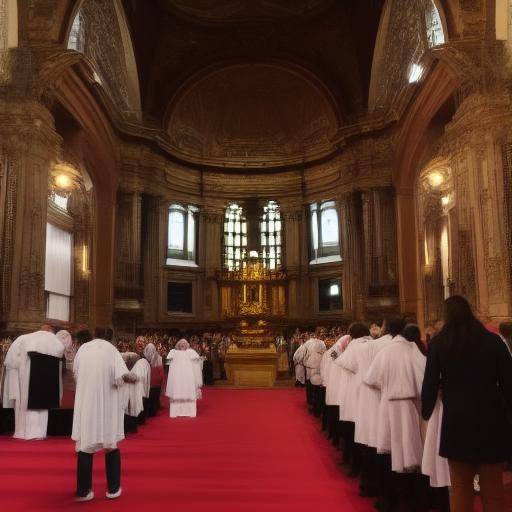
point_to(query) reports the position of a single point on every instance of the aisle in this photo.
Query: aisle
(247, 451)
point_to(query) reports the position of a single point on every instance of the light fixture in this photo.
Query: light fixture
(445, 200)
(64, 178)
(63, 181)
(436, 179)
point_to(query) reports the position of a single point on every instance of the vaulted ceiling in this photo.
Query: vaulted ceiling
(305, 55)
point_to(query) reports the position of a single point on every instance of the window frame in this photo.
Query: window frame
(184, 254)
(266, 233)
(323, 250)
(335, 303)
(242, 233)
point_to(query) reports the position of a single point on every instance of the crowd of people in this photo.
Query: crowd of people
(113, 392)
(415, 418)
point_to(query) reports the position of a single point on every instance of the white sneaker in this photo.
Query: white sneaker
(476, 483)
(89, 497)
(114, 495)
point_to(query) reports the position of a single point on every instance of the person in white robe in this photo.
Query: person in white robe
(331, 377)
(313, 361)
(98, 420)
(298, 362)
(142, 370)
(133, 394)
(380, 435)
(184, 381)
(365, 409)
(156, 378)
(347, 398)
(308, 347)
(29, 424)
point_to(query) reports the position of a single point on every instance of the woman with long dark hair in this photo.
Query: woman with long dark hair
(472, 369)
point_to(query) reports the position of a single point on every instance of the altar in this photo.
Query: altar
(254, 297)
(251, 367)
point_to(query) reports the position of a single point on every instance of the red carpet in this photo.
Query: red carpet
(247, 451)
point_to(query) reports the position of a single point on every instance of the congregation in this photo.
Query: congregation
(414, 420)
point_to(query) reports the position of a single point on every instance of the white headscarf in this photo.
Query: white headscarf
(182, 345)
(152, 355)
(67, 340)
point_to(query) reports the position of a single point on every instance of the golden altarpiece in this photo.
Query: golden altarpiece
(255, 297)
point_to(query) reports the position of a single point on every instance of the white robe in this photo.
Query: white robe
(137, 391)
(313, 360)
(348, 361)
(298, 361)
(142, 369)
(366, 428)
(98, 419)
(333, 373)
(184, 382)
(433, 465)
(398, 372)
(345, 377)
(308, 345)
(29, 424)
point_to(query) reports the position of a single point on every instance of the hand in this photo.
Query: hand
(130, 378)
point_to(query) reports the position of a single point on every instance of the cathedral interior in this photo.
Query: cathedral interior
(253, 165)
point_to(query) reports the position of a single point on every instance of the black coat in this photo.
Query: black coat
(477, 395)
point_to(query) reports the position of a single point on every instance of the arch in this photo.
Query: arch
(100, 151)
(97, 29)
(205, 122)
(438, 87)
(404, 37)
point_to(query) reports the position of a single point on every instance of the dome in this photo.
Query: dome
(252, 115)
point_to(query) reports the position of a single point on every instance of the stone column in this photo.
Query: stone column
(210, 260)
(411, 301)
(293, 220)
(29, 147)
(351, 237)
(153, 256)
(128, 248)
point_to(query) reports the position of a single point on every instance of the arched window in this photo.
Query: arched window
(271, 235)
(435, 33)
(324, 230)
(235, 237)
(100, 31)
(76, 40)
(182, 233)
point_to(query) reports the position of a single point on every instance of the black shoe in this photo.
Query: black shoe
(367, 493)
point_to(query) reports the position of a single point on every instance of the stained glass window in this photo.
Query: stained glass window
(435, 33)
(271, 235)
(235, 237)
(76, 40)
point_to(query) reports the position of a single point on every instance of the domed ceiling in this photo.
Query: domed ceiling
(252, 115)
(256, 109)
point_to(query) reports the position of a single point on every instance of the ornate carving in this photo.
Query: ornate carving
(245, 116)
(8, 231)
(104, 47)
(403, 43)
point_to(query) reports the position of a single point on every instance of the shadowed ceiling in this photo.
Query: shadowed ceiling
(177, 42)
